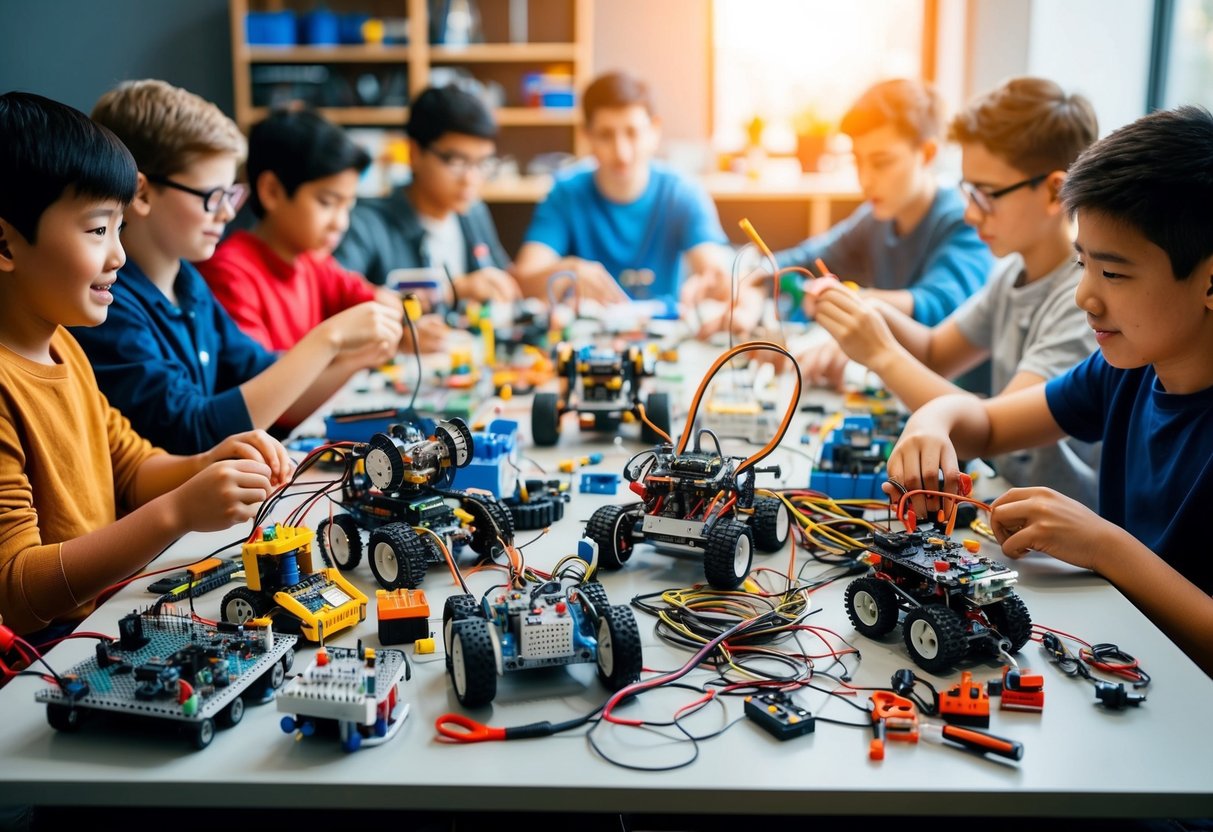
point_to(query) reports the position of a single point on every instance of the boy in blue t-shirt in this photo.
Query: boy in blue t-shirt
(1143, 200)
(622, 226)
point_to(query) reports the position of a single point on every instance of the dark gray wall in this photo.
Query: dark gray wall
(75, 50)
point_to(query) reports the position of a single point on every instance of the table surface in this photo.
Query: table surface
(1080, 759)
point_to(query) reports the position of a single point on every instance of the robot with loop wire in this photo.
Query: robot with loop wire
(397, 486)
(699, 500)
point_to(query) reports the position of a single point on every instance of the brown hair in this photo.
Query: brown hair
(913, 108)
(166, 127)
(615, 89)
(1031, 123)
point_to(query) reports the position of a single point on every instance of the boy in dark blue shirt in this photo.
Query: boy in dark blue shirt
(1143, 199)
(168, 355)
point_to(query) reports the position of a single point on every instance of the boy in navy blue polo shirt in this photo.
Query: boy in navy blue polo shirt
(168, 355)
(1143, 199)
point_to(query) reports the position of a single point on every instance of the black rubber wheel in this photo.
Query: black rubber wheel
(340, 541)
(611, 528)
(243, 604)
(398, 556)
(492, 521)
(1011, 619)
(872, 606)
(595, 596)
(619, 657)
(233, 713)
(64, 717)
(473, 663)
(201, 734)
(935, 638)
(657, 409)
(729, 553)
(771, 523)
(545, 419)
(539, 512)
(288, 659)
(456, 608)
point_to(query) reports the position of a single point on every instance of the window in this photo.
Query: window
(798, 64)
(1182, 63)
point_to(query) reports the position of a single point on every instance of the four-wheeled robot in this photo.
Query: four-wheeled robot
(949, 599)
(540, 624)
(602, 386)
(397, 488)
(698, 501)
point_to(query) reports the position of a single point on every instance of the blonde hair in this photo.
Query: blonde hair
(167, 128)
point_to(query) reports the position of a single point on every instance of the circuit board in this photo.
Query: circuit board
(172, 668)
(945, 562)
(343, 687)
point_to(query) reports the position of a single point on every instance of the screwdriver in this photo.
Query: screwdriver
(980, 741)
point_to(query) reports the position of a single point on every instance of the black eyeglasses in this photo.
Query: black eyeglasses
(984, 200)
(212, 199)
(458, 164)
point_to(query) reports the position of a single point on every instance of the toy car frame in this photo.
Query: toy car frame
(949, 600)
(167, 668)
(395, 488)
(543, 624)
(693, 502)
(355, 691)
(602, 387)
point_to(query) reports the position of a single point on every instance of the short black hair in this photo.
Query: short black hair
(1156, 176)
(441, 110)
(299, 146)
(45, 149)
(614, 90)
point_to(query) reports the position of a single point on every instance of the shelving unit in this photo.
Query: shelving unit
(559, 32)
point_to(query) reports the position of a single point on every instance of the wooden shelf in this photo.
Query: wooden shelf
(502, 53)
(360, 54)
(354, 116)
(563, 33)
(537, 117)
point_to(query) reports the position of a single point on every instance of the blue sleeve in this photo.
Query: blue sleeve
(1078, 398)
(358, 250)
(843, 247)
(240, 357)
(550, 224)
(702, 220)
(956, 272)
(155, 389)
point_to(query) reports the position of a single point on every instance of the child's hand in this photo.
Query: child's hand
(1041, 520)
(857, 325)
(222, 494)
(593, 282)
(258, 446)
(432, 333)
(824, 365)
(369, 323)
(489, 284)
(922, 452)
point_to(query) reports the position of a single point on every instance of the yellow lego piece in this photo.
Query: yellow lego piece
(423, 646)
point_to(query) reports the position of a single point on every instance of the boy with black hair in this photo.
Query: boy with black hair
(70, 464)
(1016, 144)
(624, 224)
(168, 355)
(1143, 201)
(438, 220)
(280, 280)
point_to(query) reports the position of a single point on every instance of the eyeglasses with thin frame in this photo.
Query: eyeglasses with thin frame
(984, 200)
(212, 199)
(458, 164)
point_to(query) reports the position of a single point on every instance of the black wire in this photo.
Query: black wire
(417, 350)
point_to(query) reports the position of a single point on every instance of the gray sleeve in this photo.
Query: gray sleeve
(975, 317)
(359, 251)
(1062, 339)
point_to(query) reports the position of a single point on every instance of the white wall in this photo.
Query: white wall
(1100, 48)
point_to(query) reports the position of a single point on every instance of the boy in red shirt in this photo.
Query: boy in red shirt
(280, 279)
